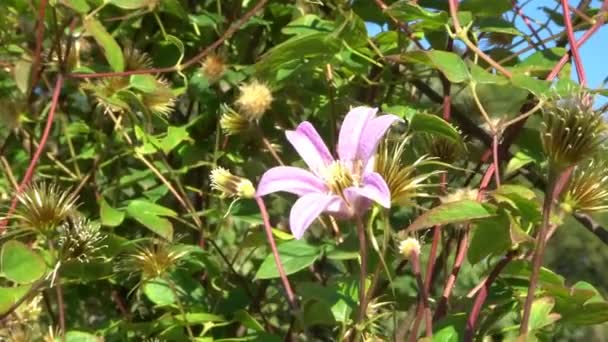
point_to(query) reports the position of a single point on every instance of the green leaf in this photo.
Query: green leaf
(295, 255)
(81, 336)
(433, 124)
(110, 48)
(481, 76)
(484, 8)
(453, 212)
(519, 160)
(405, 11)
(198, 318)
(521, 269)
(130, 4)
(11, 295)
(175, 136)
(490, 237)
(80, 6)
(541, 62)
(20, 264)
(22, 72)
(248, 320)
(308, 23)
(109, 216)
(206, 19)
(535, 86)
(173, 7)
(498, 25)
(149, 215)
(449, 63)
(159, 292)
(144, 83)
(540, 314)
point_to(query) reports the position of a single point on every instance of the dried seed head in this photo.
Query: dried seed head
(255, 99)
(233, 123)
(461, 194)
(403, 180)
(230, 185)
(106, 92)
(588, 188)
(408, 247)
(213, 67)
(573, 131)
(153, 260)
(43, 207)
(161, 100)
(79, 238)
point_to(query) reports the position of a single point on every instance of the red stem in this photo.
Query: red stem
(580, 70)
(528, 23)
(36, 157)
(423, 304)
(39, 38)
(229, 32)
(291, 298)
(601, 18)
(496, 159)
(483, 294)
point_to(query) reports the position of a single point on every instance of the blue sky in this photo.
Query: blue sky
(594, 52)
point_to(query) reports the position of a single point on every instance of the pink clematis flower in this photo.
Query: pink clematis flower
(345, 187)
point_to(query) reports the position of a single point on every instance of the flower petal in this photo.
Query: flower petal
(310, 146)
(306, 209)
(351, 130)
(375, 188)
(289, 179)
(372, 134)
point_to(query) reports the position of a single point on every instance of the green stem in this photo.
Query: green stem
(363, 274)
(180, 306)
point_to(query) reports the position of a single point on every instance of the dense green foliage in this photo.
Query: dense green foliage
(133, 134)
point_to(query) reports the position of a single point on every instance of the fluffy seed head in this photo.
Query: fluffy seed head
(573, 131)
(588, 188)
(135, 59)
(230, 185)
(233, 123)
(43, 207)
(254, 100)
(461, 194)
(444, 149)
(213, 67)
(408, 247)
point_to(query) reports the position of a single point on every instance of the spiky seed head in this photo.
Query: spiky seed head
(572, 131)
(587, 191)
(213, 67)
(106, 92)
(499, 38)
(460, 194)
(408, 247)
(404, 180)
(230, 185)
(135, 59)
(443, 149)
(254, 100)
(79, 239)
(153, 260)
(233, 123)
(43, 207)
(161, 100)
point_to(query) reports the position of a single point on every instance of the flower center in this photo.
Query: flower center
(338, 177)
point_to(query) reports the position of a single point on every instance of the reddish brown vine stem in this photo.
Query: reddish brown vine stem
(580, 70)
(206, 51)
(291, 297)
(36, 157)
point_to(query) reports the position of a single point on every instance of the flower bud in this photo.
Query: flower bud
(255, 99)
(409, 246)
(230, 185)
